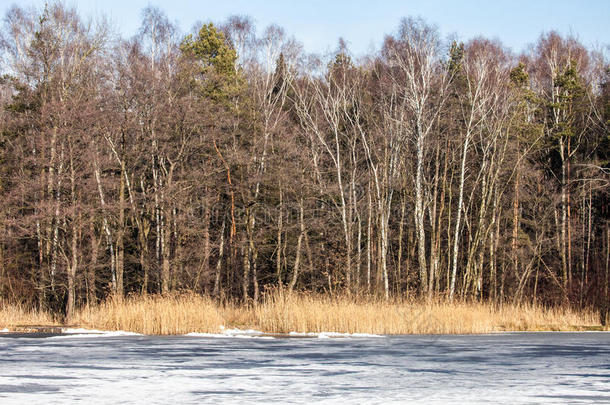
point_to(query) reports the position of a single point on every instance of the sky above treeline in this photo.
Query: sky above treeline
(318, 24)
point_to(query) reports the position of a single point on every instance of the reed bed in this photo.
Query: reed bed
(282, 312)
(313, 313)
(154, 315)
(13, 315)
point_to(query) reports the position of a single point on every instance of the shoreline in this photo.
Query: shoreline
(69, 331)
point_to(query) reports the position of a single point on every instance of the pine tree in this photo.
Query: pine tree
(219, 78)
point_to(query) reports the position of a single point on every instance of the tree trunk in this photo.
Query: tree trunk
(564, 217)
(165, 254)
(120, 236)
(245, 258)
(73, 263)
(206, 245)
(401, 230)
(278, 263)
(297, 259)
(369, 243)
(70, 304)
(456, 236)
(515, 235)
(384, 253)
(91, 278)
(221, 249)
(419, 214)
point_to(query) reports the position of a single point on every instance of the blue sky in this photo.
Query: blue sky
(319, 23)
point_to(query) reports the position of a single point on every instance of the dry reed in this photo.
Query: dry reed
(154, 315)
(13, 315)
(281, 312)
(313, 313)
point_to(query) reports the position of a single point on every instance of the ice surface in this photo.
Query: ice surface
(498, 368)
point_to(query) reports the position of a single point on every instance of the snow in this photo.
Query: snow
(69, 333)
(82, 330)
(227, 335)
(252, 333)
(237, 333)
(506, 368)
(4, 330)
(326, 335)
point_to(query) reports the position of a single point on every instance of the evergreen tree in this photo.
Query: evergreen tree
(220, 79)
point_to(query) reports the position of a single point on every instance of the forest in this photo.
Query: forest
(229, 162)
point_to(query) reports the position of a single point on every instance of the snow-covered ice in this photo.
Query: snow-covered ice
(238, 333)
(324, 335)
(252, 333)
(200, 369)
(83, 331)
(89, 333)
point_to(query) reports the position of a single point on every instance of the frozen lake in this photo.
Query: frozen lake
(501, 368)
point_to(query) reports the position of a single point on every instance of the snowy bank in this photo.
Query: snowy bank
(236, 333)
(252, 333)
(88, 333)
(326, 335)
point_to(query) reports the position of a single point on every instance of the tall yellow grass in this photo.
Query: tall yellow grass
(281, 312)
(154, 315)
(309, 313)
(12, 315)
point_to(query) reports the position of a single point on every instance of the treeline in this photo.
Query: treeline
(227, 162)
